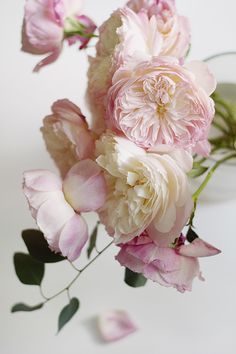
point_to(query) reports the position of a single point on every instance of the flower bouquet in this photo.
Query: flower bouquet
(132, 160)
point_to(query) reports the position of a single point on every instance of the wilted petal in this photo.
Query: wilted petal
(182, 278)
(116, 324)
(48, 60)
(198, 248)
(73, 237)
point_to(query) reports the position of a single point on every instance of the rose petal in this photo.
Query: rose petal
(42, 180)
(85, 187)
(48, 60)
(115, 325)
(73, 237)
(203, 76)
(52, 215)
(198, 248)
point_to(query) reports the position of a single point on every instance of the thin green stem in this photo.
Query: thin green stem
(196, 195)
(47, 299)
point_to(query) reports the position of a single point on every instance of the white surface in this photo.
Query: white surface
(203, 321)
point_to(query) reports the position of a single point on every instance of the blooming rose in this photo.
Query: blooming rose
(175, 29)
(67, 136)
(162, 102)
(56, 205)
(127, 38)
(165, 265)
(144, 189)
(48, 22)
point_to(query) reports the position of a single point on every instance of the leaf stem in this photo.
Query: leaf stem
(76, 277)
(196, 195)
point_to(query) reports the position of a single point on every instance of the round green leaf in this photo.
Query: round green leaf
(68, 312)
(133, 279)
(38, 247)
(28, 270)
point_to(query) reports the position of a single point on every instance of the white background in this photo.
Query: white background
(169, 322)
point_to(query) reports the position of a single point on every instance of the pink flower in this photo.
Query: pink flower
(144, 189)
(165, 265)
(131, 35)
(67, 136)
(48, 22)
(174, 28)
(56, 205)
(162, 102)
(115, 325)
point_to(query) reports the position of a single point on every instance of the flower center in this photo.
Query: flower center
(159, 90)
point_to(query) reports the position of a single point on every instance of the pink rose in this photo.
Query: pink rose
(67, 136)
(48, 22)
(131, 35)
(162, 102)
(174, 28)
(165, 265)
(57, 205)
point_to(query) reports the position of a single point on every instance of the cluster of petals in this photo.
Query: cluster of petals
(57, 205)
(163, 102)
(175, 266)
(144, 189)
(67, 135)
(135, 33)
(47, 23)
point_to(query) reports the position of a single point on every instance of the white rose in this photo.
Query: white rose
(144, 188)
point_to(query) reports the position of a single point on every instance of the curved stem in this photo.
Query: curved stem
(76, 277)
(196, 195)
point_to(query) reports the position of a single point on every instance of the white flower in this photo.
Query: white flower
(144, 188)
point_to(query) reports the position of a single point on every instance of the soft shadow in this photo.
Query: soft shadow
(92, 326)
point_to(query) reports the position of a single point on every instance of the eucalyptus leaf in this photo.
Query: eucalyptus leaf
(68, 312)
(28, 270)
(26, 308)
(191, 235)
(38, 247)
(92, 241)
(133, 279)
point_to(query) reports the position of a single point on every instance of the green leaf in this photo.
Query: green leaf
(28, 270)
(24, 307)
(38, 247)
(191, 235)
(92, 241)
(68, 312)
(197, 170)
(133, 279)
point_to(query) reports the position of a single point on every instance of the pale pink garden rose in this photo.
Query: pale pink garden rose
(165, 265)
(67, 135)
(128, 38)
(47, 23)
(144, 189)
(174, 28)
(163, 102)
(56, 205)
